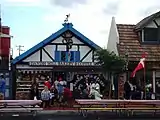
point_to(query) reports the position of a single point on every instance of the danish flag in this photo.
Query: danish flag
(141, 65)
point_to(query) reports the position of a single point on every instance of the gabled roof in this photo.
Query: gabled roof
(129, 40)
(146, 20)
(67, 26)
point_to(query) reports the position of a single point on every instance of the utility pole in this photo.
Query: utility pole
(11, 52)
(19, 48)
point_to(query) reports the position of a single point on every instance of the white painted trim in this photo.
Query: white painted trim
(5, 35)
(142, 35)
(113, 37)
(29, 67)
(154, 81)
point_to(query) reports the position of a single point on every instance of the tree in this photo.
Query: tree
(109, 61)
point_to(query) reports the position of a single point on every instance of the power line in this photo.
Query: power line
(19, 48)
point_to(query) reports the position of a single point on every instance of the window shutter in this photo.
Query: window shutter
(72, 59)
(66, 58)
(77, 56)
(57, 56)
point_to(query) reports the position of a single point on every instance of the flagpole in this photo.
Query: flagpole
(144, 73)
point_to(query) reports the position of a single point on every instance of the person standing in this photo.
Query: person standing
(45, 97)
(2, 87)
(96, 95)
(60, 90)
(56, 83)
(67, 96)
(48, 82)
(34, 91)
(128, 88)
(97, 86)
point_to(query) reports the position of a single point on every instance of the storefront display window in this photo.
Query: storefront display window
(145, 82)
(7, 93)
(25, 79)
(157, 84)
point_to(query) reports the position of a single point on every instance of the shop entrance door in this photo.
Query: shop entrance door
(60, 75)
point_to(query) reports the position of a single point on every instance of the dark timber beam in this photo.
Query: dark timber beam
(65, 44)
(40, 54)
(48, 55)
(156, 23)
(93, 56)
(86, 55)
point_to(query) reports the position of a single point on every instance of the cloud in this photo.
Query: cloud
(24, 3)
(112, 7)
(91, 17)
(94, 18)
(67, 3)
(150, 10)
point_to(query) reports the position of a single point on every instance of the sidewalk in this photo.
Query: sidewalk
(59, 112)
(72, 111)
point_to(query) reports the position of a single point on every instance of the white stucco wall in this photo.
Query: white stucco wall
(33, 57)
(113, 38)
(83, 51)
(152, 24)
(51, 50)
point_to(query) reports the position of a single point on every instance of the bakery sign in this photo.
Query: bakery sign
(62, 64)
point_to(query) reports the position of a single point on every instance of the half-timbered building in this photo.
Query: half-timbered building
(65, 53)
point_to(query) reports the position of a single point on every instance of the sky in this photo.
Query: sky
(31, 21)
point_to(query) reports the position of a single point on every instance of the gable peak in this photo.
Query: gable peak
(68, 25)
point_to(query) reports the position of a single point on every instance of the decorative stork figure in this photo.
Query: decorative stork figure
(66, 20)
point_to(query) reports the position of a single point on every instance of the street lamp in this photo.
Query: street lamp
(67, 40)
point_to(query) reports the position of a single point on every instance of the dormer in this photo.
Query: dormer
(149, 29)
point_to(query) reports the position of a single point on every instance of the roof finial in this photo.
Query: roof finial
(66, 20)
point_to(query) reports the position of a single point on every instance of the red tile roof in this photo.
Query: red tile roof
(129, 40)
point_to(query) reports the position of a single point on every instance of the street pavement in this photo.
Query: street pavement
(73, 115)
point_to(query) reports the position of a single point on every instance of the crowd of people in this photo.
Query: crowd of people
(2, 87)
(135, 91)
(64, 93)
(61, 92)
(88, 86)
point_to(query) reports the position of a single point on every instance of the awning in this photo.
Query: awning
(5, 35)
(33, 71)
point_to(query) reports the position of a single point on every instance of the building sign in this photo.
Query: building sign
(63, 64)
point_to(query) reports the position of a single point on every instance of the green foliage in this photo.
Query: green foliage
(110, 61)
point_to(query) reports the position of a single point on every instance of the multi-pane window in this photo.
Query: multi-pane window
(65, 56)
(151, 35)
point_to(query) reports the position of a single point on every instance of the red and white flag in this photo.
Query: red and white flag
(141, 65)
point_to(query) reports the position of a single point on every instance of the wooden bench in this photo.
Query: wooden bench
(118, 105)
(19, 106)
(19, 110)
(134, 108)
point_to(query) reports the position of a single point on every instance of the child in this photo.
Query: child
(45, 96)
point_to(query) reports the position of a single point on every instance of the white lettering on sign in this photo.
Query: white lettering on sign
(63, 64)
